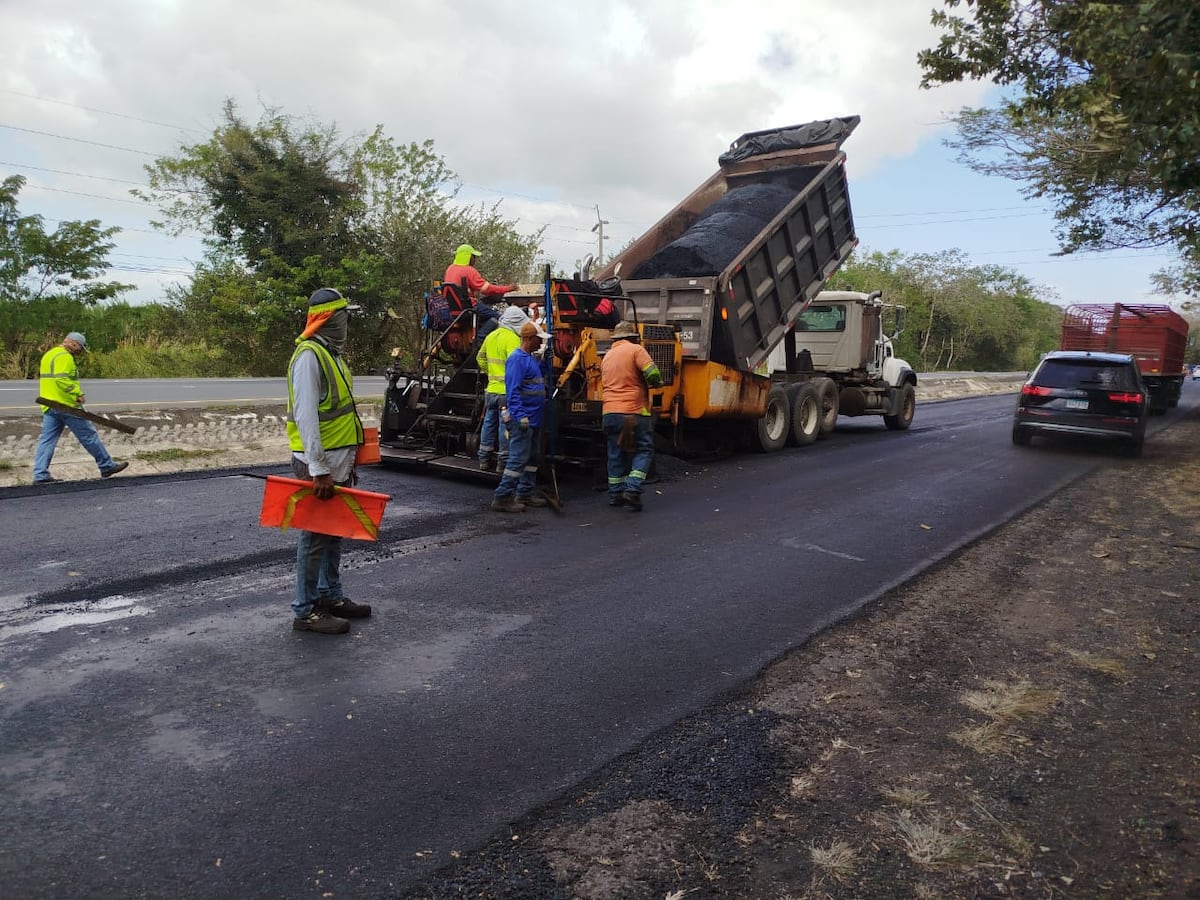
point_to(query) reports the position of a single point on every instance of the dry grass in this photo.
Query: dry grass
(1103, 665)
(804, 785)
(1008, 702)
(987, 739)
(173, 454)
(906, 797)
(836, 861)
(930, 841)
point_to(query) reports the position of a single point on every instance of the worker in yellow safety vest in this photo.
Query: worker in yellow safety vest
(324, 433)
(60, 382)
(493, 354)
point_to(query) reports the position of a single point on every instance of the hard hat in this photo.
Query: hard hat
(625, 331)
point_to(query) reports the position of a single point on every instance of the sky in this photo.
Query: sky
(563, 112)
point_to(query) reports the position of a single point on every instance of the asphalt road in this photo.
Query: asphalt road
(165, 732)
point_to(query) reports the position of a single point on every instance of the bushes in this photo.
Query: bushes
(154, 357)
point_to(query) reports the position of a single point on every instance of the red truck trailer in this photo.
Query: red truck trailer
(1156, 336)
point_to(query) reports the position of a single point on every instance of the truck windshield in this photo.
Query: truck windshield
(822, 318)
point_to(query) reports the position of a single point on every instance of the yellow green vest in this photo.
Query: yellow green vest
(340, 425)
(59, 377)
(494, 353)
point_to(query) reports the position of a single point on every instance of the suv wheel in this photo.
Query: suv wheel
(1020, 436)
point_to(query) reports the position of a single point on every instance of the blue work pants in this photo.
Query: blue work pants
(627, 471)
(53, 423)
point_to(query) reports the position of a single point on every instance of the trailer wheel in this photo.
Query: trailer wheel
(806, 414)
(908, 408)
(771, 430)
(829, 396)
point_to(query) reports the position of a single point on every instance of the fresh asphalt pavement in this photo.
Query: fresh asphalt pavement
(166, 733)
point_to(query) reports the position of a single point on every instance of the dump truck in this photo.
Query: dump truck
(734, 304)
(1154, 335)
(714, 288)
(842, 345)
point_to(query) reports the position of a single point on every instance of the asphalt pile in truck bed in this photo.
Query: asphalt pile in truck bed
(719, 235)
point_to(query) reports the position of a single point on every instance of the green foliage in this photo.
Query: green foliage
(154, 357)
(1107, 121)
(269, 190)
(290, 208)
(973, 318)
(66, 263)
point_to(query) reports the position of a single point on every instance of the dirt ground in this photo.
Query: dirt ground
(1024, 721)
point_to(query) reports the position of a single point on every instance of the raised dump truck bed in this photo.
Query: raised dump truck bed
(735, 312)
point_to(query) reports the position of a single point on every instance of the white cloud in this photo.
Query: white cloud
(555, 105)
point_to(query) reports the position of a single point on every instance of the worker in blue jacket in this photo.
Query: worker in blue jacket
(525, 397)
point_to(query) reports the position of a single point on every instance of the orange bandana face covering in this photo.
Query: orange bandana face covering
(318, 315)
(314, 323)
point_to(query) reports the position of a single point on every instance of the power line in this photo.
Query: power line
(945, 212)
(38, 187)
(104, 112)
(74, 174)
(63, 137)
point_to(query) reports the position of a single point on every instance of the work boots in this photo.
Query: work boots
(344, 608)
(533, 500)
(508, 504)
(321, 622)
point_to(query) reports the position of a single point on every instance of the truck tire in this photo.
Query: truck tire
(806, 414)
(771, 430)
(830, 397)
(908, 408)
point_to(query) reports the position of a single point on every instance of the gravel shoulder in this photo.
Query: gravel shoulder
(1022, 721)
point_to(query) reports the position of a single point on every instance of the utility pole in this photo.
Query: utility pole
(599, 228)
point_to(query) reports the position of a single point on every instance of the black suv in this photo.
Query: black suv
(1091, 395)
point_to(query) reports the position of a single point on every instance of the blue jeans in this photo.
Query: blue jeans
(493, 435)
(520, 470)
(53, 423)
(318, 557)
(627, 472)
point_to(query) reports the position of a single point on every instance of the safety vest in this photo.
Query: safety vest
(496, 349)
(59, 377)
(340, 425)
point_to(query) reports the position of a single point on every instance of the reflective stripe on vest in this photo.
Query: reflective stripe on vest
(53, 371)
(340, 425)
(497, 347)
(533, 385)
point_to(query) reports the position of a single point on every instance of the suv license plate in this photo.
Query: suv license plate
(1076, 404)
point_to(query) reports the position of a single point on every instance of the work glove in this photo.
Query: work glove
(505, 416)
(524, 424)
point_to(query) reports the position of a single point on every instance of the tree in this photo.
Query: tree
(66, 263)
(49, 281)
(289, 207)
(272, 190)
(1106, 122)
(959, 316)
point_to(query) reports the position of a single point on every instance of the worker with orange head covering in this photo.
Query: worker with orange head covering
(324, 433)
(463, 269)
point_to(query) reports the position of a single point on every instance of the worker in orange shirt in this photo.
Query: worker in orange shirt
(478, 287)
(626, 373)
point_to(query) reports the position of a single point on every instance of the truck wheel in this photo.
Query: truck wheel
(908, 408)
(806, 414)
(829, 397)
(771, 430)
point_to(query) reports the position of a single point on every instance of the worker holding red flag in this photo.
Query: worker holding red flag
(324, 433)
